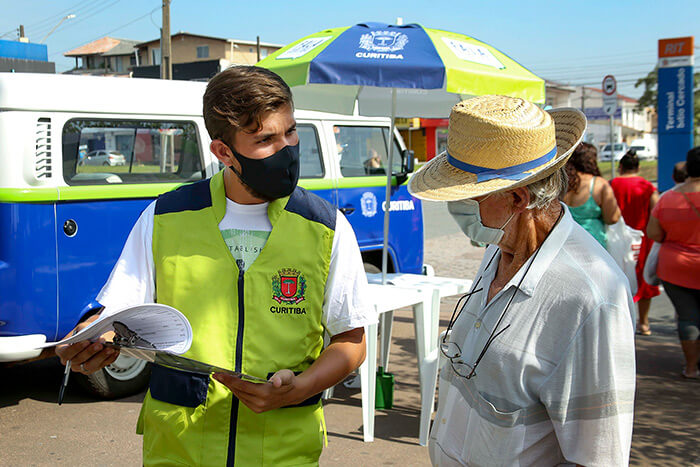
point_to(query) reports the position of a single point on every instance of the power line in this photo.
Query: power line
(13, 31)
(108, 32)
(596, 76)
(85, 18)
(577, 74)
(593, 83)
(44, 26)
(594, 66)
(97, 8)
(53, 19)
(595, 57)
(590, 77)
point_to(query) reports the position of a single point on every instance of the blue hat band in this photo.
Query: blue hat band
(514, 172)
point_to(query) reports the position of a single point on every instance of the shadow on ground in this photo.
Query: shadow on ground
(40, 381)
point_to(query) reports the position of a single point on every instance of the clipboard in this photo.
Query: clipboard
(129, 343)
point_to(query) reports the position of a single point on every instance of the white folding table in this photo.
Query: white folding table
(423, 294)
(385, 299)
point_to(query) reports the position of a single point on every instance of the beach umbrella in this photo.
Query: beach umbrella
(397, 71)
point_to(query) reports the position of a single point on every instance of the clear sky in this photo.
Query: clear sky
(575, 42)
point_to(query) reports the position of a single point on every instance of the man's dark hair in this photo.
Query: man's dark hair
(629, 162)
(692, 162)
(584, 159)
(679, 173)
(240, 97)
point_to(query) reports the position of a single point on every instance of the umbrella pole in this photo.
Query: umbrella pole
(387, 198)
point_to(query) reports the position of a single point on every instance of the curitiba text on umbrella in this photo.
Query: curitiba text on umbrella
(379, 55)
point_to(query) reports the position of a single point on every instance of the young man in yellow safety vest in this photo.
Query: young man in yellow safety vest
(261, 268)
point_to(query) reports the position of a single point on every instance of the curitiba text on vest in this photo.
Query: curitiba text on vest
(288, 310)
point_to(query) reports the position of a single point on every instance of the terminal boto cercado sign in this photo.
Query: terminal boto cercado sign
(675, 104)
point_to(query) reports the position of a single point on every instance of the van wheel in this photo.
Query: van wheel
(125, 377)
(105, 164)
(371, 268)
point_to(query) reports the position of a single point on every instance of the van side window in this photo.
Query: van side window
(364, 150)
(310, 165)
(99, 152)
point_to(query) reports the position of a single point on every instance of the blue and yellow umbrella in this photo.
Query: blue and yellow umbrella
(405, 71)
(430, 70)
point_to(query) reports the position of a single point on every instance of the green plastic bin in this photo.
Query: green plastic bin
(385, 390)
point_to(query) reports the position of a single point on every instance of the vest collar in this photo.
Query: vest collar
(218, 200)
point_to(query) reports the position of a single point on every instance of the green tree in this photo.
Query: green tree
(649, 97)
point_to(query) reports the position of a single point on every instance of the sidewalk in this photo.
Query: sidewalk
(666, 430)
(666, 425)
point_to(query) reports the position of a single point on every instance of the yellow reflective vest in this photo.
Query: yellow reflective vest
(257, 322)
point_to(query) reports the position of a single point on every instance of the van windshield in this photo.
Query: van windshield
(363, 150)
(97, 152)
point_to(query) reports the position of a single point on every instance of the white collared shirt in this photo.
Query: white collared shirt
(558, 385)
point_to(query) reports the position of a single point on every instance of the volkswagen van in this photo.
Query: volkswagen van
(64, 220)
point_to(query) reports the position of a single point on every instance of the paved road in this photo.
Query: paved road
(35, 431)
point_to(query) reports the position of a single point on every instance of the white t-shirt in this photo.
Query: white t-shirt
(245, 228)
(132, 280)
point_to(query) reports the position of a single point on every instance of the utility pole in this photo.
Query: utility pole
(612, 146)
(166, 66)
(22, 37)
(257, 47)
(583, 99)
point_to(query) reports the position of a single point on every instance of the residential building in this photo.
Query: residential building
(187, 47)
(558, 94)
(107, 56)
(630, 123)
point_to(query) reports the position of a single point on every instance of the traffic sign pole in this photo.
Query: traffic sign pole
(610, 107)
(612, 146)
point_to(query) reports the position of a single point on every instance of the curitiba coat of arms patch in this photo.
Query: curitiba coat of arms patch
(288, 286)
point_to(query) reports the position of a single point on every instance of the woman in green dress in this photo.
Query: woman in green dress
(590, 198)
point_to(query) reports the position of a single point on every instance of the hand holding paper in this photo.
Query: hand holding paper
(153, 332)
(161, 325)
(85, 357)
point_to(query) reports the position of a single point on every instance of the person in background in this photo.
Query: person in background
(675, 223)
(590, 199)
(636, 197)
(373, 161)
(679, 173)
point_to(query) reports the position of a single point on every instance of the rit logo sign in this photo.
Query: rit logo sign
(674, 48)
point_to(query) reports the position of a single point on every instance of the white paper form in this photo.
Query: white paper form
(161, 325)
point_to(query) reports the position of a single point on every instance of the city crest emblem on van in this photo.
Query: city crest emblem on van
(368, 203)
(288, 286)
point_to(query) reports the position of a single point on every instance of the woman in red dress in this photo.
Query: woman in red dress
(636, 198)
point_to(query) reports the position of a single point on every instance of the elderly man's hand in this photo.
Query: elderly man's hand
(87, 357)
(282, 389)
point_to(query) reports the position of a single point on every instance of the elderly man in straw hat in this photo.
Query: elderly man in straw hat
(540, 354)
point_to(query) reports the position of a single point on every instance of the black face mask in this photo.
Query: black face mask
(274, 177)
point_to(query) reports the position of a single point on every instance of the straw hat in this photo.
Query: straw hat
(496, 143)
